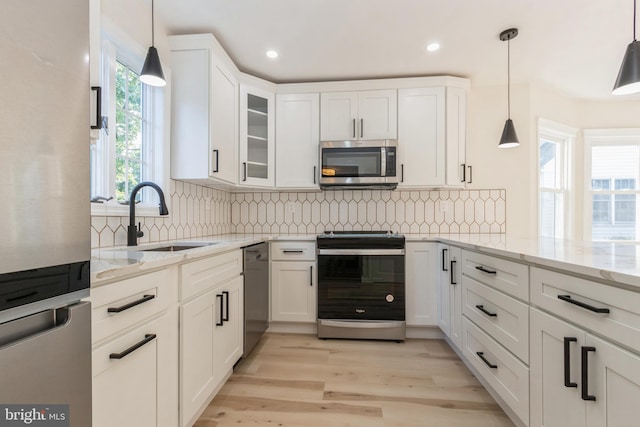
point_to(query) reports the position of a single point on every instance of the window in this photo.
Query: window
(553, 178)
(132, 148)
(612, 166)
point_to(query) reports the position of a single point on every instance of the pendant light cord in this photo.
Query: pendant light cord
(509, 78)
(634, 20)
(153, 28)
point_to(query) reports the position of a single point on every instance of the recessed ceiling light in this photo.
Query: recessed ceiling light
(272, 54)
(432, 47)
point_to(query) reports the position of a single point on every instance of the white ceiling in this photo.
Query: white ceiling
(573, 45)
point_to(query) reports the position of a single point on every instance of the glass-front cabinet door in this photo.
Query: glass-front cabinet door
(257, 132)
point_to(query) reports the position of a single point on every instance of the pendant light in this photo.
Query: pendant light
(151, 73)
(509, 137)
(628, 80)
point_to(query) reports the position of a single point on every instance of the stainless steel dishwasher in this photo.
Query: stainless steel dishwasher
(256, 294)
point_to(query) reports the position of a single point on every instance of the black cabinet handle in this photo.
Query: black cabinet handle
(585, 373)
(361, 128)
(464, 172)
(244, 169)
(98, 91)
(292, 251)
(354, 128)
(470, 174)
(452, 274)
(402, 172)
(147, 338)
(484, 270)
(311, 275)
(567, 361)
(315, 168)
(486, 362)
(217, 153)
(144, 299)
(567, 298)
(484, 310)
(225, 296)
(444, 263)
(221, 322)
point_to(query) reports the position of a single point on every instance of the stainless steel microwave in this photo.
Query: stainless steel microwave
(358, 164)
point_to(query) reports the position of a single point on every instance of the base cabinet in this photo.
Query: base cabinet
(578, 379)
(450, 293)
(421, 283)
(293, 291)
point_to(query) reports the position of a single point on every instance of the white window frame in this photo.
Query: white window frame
(118, 46)
(565, 136)
(603, 137)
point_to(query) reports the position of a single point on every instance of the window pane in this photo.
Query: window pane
(600, 184)
(551, 214)
(550, 164)
(614, 162)
(625, 208)
(625, 184)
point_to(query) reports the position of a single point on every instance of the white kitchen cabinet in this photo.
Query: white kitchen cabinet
(135, 351)
(562, 358)
(204, 112)
(362, 115)
(432, 137)
(298, 137)
(293, 281)
(211, 327)
(450, 293)
(421, 270)
(257, 137)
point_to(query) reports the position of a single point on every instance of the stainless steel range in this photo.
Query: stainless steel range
(361, 285)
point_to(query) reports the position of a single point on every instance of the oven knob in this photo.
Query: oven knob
(389, 298)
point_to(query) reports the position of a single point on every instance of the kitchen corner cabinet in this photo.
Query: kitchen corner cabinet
(432, 137)
(450, 293)
(257, 137)
(135, 351)
(211, 316)
(204, 112)
(421, 283)
(298, 136)
(293, 281)
(362, 115)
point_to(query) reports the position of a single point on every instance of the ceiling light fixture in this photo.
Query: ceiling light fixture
(272, 54)
(509, 137)
(432, 47)
(628, 80)
(151, 73)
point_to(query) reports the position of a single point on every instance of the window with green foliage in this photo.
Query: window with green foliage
(130, 132)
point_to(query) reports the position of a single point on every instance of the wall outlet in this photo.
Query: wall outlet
(445, 206)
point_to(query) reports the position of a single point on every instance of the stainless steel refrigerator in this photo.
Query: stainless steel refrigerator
(45, 329)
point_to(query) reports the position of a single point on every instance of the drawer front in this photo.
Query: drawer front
(504, 318)
(508, 377)
(122, 304)
(293, 251)
(506, 276)
(582, 301)
(198, 276)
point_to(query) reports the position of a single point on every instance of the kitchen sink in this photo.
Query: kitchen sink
(178, 247)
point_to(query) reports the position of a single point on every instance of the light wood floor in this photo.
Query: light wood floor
(299, 380)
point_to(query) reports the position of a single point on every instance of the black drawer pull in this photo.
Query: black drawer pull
(567, 361)
(226, 298)
(144, 299)
(486, 362)
(292, 251)
(567, 298)
(452, 274)
(585, 373)
(444, 263)
(311, 275)
(221, 322)
(484, 270)
(147, 338)
(484, 310)
(30, 294)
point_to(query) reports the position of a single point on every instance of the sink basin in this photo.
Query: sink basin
(178, 247)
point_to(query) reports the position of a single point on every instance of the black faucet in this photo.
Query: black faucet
(132, 230)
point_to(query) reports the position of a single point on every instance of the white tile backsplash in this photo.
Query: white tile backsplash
(198, 211)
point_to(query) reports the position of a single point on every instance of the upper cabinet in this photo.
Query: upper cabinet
(364, 115)
(298, 136)
(432, 137)
(257, 137)
(204, 113)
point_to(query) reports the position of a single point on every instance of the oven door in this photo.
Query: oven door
(361, 284)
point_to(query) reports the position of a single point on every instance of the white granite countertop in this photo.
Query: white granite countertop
(613, 262)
